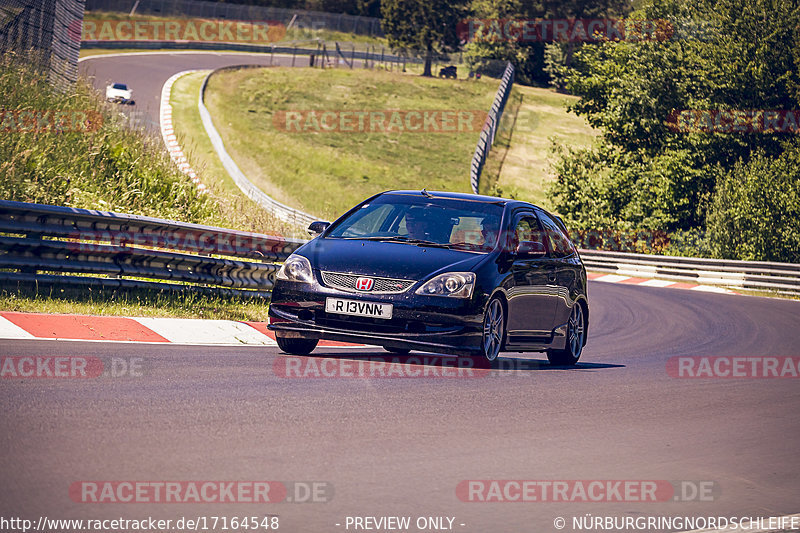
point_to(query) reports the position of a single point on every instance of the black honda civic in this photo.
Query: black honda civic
(439, 272)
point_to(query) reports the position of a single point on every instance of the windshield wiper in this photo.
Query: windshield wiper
(373, 238)
(469, 245)
(423, 242)
(399, 238)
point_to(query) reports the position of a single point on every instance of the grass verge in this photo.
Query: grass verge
(191, 135)
(325, 173)
(534, 120)
(101, 164)
(66, 300)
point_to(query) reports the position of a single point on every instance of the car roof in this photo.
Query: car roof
(466, 196)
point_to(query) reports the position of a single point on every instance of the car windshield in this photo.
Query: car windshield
(121, 86)
(440, 222)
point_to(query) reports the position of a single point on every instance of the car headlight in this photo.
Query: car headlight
(456, 284)
(296, 268)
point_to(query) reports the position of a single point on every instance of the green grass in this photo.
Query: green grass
(327, 173)
(130, 303)
(245, 213)
(534, 120)
(86, 52)
(110, 167)
(107, 166)
(191, 135)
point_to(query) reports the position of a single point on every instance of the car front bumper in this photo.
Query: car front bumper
(426, 323)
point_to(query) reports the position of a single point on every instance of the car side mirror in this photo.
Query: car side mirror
(530, 250)
(317, 227)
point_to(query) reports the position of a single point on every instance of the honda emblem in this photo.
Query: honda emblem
(364, 284)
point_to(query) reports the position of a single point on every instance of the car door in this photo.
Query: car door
(531, 298)
(565, 267)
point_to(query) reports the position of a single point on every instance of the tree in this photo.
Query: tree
(642, 173)
(755, 214)
(530, 57)
(423, 26)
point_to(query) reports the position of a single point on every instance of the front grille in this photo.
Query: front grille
(347, 282)
(363, 324)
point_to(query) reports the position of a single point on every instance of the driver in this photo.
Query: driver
(418, 225)
(490, 227)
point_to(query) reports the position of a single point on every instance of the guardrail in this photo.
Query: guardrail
(44, 244)
(299, 53)
(486, 139)
(756, 275)
(282, 211)
(48, 245)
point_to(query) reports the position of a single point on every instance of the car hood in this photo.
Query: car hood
(386, 259)
(119, 92)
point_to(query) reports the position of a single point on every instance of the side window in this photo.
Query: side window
(558, 242)
(527, 230)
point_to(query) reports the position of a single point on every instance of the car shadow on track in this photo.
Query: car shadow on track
(513, 364)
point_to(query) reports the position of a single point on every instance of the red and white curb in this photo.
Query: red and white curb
(14, 325)
(650, 282)
(168, 132)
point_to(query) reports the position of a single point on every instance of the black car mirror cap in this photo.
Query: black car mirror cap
(531, 249)
(317, 227)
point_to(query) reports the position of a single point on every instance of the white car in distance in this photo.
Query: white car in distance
(119, 93)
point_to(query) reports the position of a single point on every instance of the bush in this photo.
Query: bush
(755, 214)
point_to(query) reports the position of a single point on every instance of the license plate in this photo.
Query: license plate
(358, 308)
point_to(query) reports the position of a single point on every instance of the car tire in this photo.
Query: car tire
(398, 351)
(494, 329)
(296, 346)
(576, 331)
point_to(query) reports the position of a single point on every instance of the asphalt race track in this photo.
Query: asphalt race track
(147, 73)
(401, 446)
